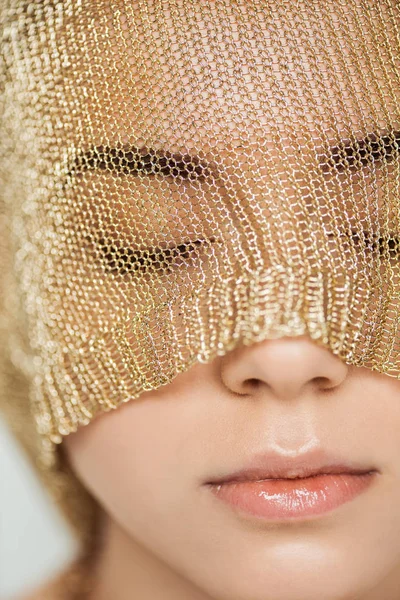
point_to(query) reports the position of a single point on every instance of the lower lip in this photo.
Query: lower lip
(275, 499)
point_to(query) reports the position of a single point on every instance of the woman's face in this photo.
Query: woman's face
(149, 463)
(278, 402)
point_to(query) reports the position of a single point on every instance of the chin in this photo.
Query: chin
(298, 571)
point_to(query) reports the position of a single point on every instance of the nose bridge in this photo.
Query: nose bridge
(286, 367)
(283, 184)
(296, 185)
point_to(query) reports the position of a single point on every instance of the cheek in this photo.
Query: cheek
(133, 459)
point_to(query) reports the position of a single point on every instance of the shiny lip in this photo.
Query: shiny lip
(271, 465)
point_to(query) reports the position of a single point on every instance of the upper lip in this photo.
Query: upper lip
(271, 465)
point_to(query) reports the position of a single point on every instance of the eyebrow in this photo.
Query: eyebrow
(355, 154)
(131, 160)
(346, 155)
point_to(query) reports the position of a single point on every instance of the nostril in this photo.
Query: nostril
(252, 383)
(323, 383)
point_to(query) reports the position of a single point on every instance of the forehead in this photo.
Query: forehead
(188, 70)
(208, 73)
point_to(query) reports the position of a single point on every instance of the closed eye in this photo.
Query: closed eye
(123, 261)
(388, 246)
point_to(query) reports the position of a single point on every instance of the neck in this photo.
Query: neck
(125, 569)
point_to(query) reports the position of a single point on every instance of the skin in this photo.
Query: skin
(165, 536)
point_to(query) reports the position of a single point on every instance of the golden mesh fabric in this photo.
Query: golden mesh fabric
(181, 177)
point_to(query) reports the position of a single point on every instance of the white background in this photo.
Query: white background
(34, 542)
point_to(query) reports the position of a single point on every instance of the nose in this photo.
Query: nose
(287, 367)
